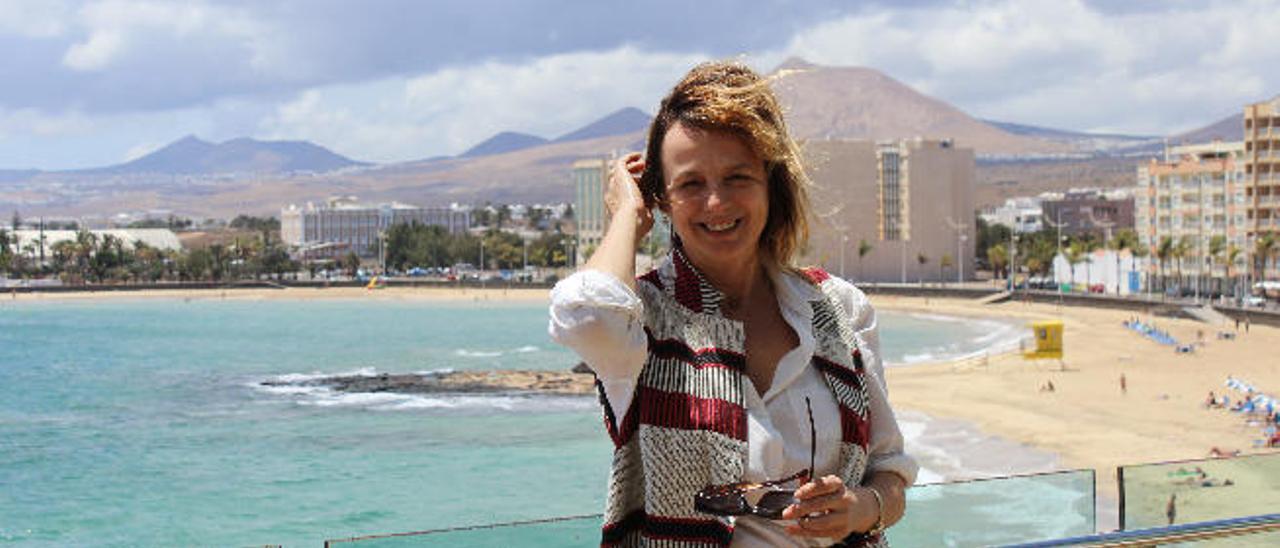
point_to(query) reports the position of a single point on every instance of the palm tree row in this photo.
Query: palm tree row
(90, 258)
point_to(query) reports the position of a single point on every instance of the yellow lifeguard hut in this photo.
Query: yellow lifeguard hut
(1048, 337)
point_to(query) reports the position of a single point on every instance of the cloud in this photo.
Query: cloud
(1065, 63)
(117, 29)
(448, 111)
(25, 122)
(39, 19)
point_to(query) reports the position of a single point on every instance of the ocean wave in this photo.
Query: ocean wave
(462, 352)
(526, 349)
(985, 337)
(297, 378)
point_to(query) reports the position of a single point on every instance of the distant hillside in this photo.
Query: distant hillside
(507, 141)
(191, 155)
(15, 175)
(862, 103)
(621, 122)
(1052, 133)
(1230, 128)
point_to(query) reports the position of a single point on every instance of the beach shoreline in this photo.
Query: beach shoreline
(423, 293)
(1087, 421)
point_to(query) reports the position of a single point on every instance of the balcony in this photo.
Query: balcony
(1216, 499)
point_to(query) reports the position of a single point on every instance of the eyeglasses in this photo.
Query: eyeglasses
(731, 499)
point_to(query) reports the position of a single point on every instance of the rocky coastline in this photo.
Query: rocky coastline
(551, 383)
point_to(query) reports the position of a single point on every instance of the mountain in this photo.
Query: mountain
(507, 141)
(862, 103)
(1230, 128)
(191, 155)
(621, 122)
(1065, 134)
(16, 175)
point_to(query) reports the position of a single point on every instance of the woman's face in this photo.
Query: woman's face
(718, 193)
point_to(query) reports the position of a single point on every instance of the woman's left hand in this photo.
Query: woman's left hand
(829, 509)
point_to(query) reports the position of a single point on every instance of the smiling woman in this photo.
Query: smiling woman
(728, 366)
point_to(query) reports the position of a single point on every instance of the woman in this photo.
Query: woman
(709, 365)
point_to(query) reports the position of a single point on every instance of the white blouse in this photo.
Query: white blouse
(602, 319)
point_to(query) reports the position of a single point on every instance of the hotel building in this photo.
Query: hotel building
(343, 223)
(589, 178)
(1198, 192)
(1262, 176)
(908, 199)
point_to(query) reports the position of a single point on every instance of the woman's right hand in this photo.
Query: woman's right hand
(623, 199)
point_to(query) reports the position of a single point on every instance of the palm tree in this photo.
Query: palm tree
(1217, 246)
(1074, 254)
(1126, 238)
(1233, 254)
(922, 259)
(1264, 248)
(1164, 252)
(997, 257)
(6, 255)
(1182, 251)
(863, 249)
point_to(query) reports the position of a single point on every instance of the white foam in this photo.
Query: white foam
(476, 353)
(526, 349)
(316, 375)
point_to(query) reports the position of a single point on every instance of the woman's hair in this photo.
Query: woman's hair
(728, 96)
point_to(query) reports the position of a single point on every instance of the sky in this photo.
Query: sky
(98, 82)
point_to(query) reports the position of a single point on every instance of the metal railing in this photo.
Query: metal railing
(1158, 536)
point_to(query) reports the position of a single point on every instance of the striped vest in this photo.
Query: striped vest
(686, 427)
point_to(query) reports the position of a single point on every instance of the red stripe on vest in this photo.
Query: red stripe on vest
(816, 275)
(685, 412)
(854, 428)
(653, 278)
(688, 289)
(705, 357)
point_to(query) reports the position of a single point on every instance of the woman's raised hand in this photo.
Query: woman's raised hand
(623, 195)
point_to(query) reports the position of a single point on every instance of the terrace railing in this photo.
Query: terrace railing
(1209, 502)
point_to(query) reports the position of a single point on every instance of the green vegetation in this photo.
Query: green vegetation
(90, 258)
(256, 224)
(415, 245)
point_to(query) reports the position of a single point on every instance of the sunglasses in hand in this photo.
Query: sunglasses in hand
(731, 499)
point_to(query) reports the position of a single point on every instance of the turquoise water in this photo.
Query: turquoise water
(141, 422)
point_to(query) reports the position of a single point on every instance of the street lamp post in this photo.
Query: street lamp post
(844, 242)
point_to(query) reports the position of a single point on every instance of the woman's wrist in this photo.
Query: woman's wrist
(868, 511)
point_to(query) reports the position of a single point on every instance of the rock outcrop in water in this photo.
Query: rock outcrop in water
(557, 383)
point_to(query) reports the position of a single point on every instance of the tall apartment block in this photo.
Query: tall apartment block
(589, 179)
(1262, 171)
(1197, 193)
(343, 223)
(909, 199)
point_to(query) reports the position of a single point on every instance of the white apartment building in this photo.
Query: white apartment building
(1022, 215)
(357, 227)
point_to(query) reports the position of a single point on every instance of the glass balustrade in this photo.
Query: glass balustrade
(1192, 491)
(969, 513)
(1211, 502)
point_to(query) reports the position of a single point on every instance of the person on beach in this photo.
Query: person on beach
(727, 367)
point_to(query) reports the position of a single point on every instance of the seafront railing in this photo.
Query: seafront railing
(1206, 502)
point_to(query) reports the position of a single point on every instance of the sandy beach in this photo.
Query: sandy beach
(1088, 420)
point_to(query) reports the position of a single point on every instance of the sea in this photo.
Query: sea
(145, 423)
